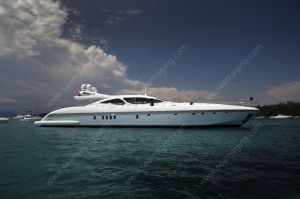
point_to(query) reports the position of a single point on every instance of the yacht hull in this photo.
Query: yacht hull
(150, 119)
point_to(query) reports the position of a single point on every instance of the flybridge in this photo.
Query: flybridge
(87, 91)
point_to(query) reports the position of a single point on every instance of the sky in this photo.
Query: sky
(180, 50)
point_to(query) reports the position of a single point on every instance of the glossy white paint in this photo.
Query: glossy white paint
(165, 114)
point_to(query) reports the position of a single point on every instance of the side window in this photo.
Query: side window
(114, 101)
(141, 100)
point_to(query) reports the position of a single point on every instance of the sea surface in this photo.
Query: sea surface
(260, 160)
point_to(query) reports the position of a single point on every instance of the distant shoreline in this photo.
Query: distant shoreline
(288, 108)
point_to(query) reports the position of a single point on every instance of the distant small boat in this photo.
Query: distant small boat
(30, 118)
(3, 119)
(18, 117)
(260, 117)
(281, 117)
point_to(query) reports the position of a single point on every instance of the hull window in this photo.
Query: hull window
(214, 112)
(115, 117)
(110, 117)
(193, 113)
(175, 114)
(94, 117)
(103, 117)
(106, 117)
(202, 113)
(137, 117)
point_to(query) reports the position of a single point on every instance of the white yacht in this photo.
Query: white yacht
(18, 117)
(30, 118)
(145, 111)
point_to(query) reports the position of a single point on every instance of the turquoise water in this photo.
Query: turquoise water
(259, 161)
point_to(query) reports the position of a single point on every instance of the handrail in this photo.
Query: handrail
(233, 102)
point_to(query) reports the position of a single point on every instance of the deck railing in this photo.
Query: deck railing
(233, 102)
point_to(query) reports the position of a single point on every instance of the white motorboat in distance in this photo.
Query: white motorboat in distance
(30, 118)
(281, 117)
(4, 119)
(18, 117)
(146, 111)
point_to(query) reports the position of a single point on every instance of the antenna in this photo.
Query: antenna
(145, 90)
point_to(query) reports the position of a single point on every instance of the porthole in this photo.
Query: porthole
(202, 113)
(106, 117)
(110, 117)
(137, 117)
(103, 117)
(148, 114)
(115, 117)
(214, 113)
(193, 113)
(175, 113)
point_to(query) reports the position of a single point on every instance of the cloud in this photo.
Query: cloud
(24, 84)
(4, 99)
(34, 53)
(119, 15)
(115, 19)
(76, 32)
(133, 12)
(26, 26)
(38, 64)
(172, 94)
(106, 85)
(289, 90)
